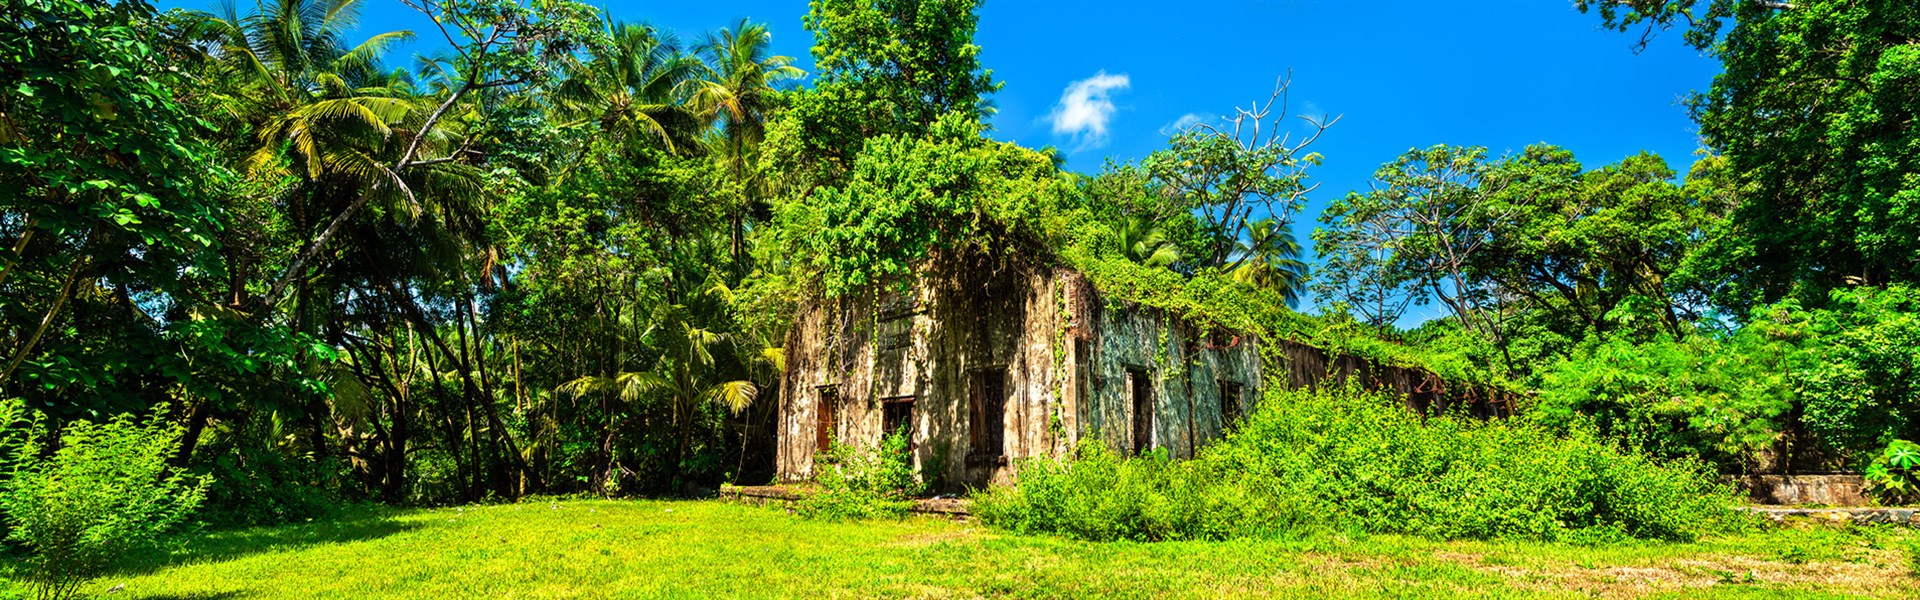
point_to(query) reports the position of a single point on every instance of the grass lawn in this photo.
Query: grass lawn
(708, 548)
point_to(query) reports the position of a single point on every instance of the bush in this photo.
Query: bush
(863, 482)
(1860, 372)
(1099, 495)
(1894, 476)
(1719, 398)
(1360, 461)
(106, 489)
(253, 481)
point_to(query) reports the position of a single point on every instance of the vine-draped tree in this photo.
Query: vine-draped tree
(886, 67)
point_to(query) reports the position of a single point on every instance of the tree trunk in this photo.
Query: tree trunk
(190, 439)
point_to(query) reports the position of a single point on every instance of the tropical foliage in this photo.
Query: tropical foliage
(563, 255)
(1353, 460)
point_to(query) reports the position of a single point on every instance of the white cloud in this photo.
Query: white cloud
(1085, 108)
(1183, 123)
(1309, 109)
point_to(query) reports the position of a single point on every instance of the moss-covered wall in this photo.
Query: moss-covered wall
(1065, 352)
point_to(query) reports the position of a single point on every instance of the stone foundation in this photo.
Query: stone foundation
(1825, 490)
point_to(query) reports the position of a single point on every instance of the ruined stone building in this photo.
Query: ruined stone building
(987, 366)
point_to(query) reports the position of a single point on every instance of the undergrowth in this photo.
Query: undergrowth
(859, 482)
(1359, 461)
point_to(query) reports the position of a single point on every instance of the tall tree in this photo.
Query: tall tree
(500, 44)
(1813, 112)
(111, 210)
(1526, 244)
(742, 79)
(1580, 245)
(915, 59)
(1430, 214)
(1250, 166)
(739, 91)
(885, 67)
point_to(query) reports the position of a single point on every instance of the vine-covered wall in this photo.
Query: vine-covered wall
(1064, 354)
(1073, 363)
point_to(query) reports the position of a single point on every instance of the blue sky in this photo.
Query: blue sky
(1401, 74)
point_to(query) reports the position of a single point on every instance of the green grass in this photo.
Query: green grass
(704, 549)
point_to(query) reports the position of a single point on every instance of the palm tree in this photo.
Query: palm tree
(637, 89)
(288, 53)
(327, 115)
(682, 371)
(740, 81)
(1143, 242)
(348, 134)
(1270, 259)
(737, 91)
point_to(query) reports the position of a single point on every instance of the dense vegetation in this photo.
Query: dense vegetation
(562, 256)
(1348, 460)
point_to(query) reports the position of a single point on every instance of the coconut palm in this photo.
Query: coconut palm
(1270, 258)
(289, 53)
(636, 88)
(740, 80)
(1143, 242)
(737, 91)
(328, 115)
(345, 134)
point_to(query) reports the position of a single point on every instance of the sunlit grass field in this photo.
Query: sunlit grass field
(708, 548)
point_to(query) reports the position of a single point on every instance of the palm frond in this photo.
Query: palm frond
(735, 395)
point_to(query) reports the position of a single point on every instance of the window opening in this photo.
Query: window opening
(1229, 404)
(987, 399)
(823, 430)
(896, 414)
(1141, 389)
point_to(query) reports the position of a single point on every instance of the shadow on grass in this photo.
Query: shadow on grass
(222, 545)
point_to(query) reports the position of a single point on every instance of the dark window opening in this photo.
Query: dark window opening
(896, 414)
(823, 430)
(1229, 404)
(896, 305)
(896, 333)
(1080, 375)
(987, 418)
(1140, 387)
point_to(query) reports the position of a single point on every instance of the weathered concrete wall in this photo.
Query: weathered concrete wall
(1070, 360)
(1064, 353)
(922, 344)
(1184, 365)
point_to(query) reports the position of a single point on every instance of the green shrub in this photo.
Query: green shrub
(1718, 398)
(1099, 495)
(863, 482)
(104, 490)
(1360, 461)
(1894, 475)
(1860, 371)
